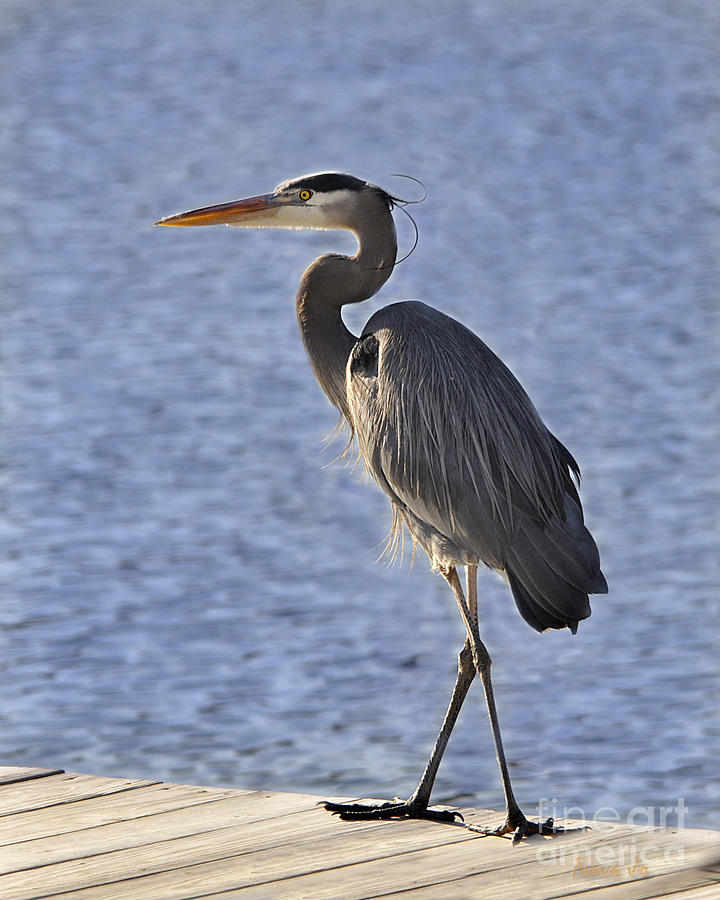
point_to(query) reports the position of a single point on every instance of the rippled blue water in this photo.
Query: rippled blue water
(191, 590)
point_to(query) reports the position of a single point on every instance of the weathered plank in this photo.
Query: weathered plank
(694, 883)
(12, 774)
(85, 838)
(544, 879)
(252, 853)
(362, 861)
(55, 790)
(486, 867)
(92, 812)
(202, 818)
(701, 893)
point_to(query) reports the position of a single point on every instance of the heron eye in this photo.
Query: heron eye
(305, 194)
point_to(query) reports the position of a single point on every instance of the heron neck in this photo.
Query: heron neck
(331, 282)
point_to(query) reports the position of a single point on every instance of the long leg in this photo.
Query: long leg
(471, 588)
(417, 804)
(515, 820)
(483, 662)
(465, 676)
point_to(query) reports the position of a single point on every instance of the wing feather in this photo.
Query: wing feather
(453, 439)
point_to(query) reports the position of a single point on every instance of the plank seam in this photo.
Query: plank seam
(114, 821)
(122, 790)
(642, 880)
(192, 865)
(582, 890)
(284, 842)
(497, 866)
(30, 776)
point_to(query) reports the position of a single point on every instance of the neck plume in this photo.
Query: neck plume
(333, 281)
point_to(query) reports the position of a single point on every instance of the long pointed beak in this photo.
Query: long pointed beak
(252, 212)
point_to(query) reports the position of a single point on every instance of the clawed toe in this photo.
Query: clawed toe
(524, 828)
(350, 811)
(520, 827)
(398, 809)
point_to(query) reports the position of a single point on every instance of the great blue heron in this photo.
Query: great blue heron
(447, 432)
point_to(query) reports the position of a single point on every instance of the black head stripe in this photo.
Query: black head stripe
(326, 182)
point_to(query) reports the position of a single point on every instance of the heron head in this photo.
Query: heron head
(327, 200)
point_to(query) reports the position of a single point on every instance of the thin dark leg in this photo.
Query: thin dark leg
(465, 677)
(417, 804)
(515, 821)
(471, 589)
(483, 662)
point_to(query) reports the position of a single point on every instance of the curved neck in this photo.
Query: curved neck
(330, 283)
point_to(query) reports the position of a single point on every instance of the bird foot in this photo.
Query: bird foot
(520, 827)
(396, 809)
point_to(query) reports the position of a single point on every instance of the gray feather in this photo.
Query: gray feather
(453, 439)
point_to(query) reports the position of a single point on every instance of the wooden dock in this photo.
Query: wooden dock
(87, 838)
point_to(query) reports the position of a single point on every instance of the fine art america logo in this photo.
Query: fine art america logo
(617, 855)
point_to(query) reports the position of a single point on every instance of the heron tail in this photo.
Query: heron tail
(552, 568)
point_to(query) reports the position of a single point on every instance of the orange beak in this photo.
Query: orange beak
(252, 212)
